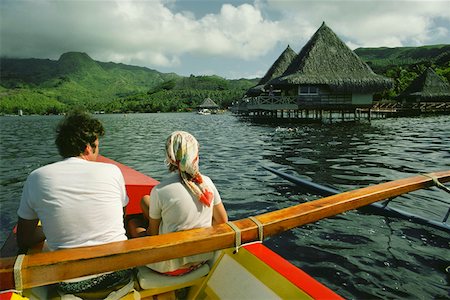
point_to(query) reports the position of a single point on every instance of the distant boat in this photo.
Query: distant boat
(204, 111)
(20, 112)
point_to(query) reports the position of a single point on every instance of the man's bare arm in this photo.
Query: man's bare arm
(29, 233)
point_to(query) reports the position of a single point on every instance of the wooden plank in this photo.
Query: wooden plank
(46, 268)
(6, 273)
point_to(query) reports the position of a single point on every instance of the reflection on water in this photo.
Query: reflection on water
(359, 255)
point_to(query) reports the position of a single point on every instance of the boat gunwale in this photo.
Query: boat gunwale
(50, 267)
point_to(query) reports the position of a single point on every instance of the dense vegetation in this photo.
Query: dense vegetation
(45, 86)
(184, 94)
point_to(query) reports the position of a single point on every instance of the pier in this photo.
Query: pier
(331, 110)
(386, 110)
(327, 82)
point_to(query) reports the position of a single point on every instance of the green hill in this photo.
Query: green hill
(75, 79)
(48, 86)
(383, 57)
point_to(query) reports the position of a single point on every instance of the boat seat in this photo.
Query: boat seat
(154, 283)
(242, 275)
(50, 292)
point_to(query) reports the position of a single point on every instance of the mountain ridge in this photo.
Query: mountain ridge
(67, 64)
(49, 86)
(382, 57)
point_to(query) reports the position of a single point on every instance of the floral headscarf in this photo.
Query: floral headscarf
(182, 155)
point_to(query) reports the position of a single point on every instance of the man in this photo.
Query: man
(79, 202)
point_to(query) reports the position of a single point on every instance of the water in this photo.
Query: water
(359, 255)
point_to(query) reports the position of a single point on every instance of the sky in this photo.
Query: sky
(233, 39)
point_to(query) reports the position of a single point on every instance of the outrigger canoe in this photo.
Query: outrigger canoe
(243, 269)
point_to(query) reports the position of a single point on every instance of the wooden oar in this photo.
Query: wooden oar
(381, 208)
(46, 268)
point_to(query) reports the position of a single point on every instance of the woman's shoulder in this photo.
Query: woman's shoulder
(207, 179)
(170, 179)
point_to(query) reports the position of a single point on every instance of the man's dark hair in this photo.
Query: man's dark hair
(75, 131)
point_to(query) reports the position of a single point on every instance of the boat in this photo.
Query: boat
(204, 112)
(243, 269)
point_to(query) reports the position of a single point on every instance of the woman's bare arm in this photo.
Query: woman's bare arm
(153, 226)
(219, 214)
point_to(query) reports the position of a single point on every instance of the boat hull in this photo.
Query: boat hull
(40, 269)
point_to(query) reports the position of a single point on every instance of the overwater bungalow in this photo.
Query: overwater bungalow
(427, 87)
(208, 105)
(325, 77)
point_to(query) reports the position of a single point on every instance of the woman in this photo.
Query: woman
(185, 200)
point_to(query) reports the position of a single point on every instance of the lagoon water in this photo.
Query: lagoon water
(359, 255)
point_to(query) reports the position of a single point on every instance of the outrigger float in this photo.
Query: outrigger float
(380, 208)
(244, 267)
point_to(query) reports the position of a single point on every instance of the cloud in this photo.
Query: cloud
(242, 31)
(145, 31)
(165, 33)
(371, 23)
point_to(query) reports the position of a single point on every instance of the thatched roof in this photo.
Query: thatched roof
(279, 66)
(429, 87)
(208, 103)
(276, 70)
(255, 91)
(326, 60)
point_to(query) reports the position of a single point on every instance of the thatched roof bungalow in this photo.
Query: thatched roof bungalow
(428, 87)
(208, 103)
(327, 72)
(277, 69)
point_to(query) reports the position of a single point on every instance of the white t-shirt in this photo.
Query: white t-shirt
(79, 203)
(177, 207)
(179, 210)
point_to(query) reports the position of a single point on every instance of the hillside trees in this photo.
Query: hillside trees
(172, 100)
(30, 102)
(42, 86)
